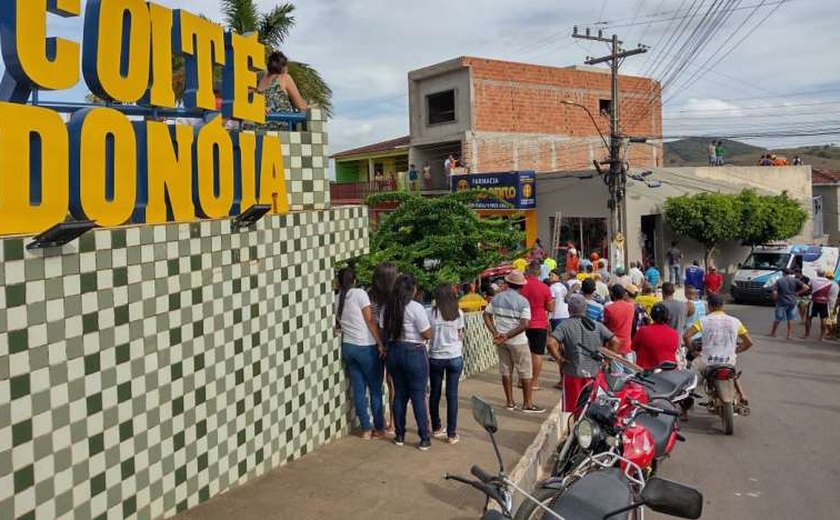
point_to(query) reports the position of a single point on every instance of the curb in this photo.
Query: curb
(531, 468)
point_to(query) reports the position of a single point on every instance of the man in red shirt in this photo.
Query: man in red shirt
(713, 281)
(618, 317)
(542, 303)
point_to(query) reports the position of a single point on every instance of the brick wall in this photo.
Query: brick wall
(520, 122)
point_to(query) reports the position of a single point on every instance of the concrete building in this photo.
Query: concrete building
(580, 198)
(504, 116)
(826, 186)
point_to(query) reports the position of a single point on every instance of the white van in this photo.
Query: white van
(755, 277)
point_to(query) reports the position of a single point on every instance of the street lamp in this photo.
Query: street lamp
(572, 103)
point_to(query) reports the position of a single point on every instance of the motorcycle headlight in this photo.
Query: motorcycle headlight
(587, 433)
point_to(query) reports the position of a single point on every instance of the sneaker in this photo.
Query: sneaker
(439, 434)
(399, 440)
(533, 409)
(454, 439)
(425, 445)
(511, 406)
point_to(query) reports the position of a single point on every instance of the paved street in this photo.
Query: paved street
(782, 462)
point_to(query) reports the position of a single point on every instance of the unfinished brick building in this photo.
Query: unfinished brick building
(497, 116)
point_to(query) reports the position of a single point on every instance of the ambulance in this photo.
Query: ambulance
(753, 282)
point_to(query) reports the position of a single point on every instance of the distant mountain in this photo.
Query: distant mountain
(693, 152)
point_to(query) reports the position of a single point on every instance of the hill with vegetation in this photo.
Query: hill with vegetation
(693, 152)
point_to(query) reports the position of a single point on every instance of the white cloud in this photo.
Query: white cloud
(365, 48)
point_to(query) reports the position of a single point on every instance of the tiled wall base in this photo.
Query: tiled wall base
(144, 370)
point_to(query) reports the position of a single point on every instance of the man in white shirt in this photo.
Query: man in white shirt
(637, 277)
(507, 318)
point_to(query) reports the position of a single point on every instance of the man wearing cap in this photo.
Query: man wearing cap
(507, 317)
(713, 281)
(573, 344)
(622, 278)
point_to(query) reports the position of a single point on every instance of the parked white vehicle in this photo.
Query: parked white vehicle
(755, 277)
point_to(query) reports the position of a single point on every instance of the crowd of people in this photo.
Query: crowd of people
(798, 297)
(536, 310)
(385, 330)
(570, 313)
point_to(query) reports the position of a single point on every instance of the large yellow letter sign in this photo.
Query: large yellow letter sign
(103, 166)
(213, 173)
(33, 163)
(203, 44)
(117, 49)
(32, 58)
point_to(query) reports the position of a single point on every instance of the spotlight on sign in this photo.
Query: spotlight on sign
(61, 234)
(250, 216)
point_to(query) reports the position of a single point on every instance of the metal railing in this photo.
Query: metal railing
(295, 120)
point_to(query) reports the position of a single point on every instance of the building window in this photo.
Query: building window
(605, 107)
(441, 107)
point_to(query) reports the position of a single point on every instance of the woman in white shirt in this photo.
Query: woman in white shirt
(445, 360)
(559, 291)
(362, 352)
(405, 327)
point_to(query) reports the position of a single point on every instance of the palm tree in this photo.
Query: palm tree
(273, 27)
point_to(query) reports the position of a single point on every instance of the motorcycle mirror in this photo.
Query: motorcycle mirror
(668, 365)
(484, 415)
(672, 498)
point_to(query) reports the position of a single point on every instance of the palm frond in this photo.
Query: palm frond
(275, 25)
(242, 16)
(312, 86)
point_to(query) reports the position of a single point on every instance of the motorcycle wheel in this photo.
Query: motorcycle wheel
(528, 510)
(727, 414)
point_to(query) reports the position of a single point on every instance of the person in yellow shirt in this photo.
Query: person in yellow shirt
(471, 301)
(648, 298)
(583, 275)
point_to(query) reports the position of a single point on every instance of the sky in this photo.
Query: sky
(780, 79)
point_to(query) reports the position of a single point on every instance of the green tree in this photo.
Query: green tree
(769, 218)
(438, 239)
(709, 218)
(244, 16)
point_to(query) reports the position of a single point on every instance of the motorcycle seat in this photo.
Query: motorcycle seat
(594, 496)
(659, 426)
(711, 370)
(668, 384)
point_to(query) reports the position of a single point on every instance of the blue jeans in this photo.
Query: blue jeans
(408, 365)
(365, 369)
(451, 370)
(674, 274)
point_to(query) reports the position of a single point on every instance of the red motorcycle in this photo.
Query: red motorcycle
(609, 411)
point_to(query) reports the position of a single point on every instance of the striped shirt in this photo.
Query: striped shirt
(594, 310)
(507, 309)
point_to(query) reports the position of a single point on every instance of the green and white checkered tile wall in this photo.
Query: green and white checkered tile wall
(154, 367)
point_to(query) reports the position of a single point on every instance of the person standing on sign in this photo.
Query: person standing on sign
(281, 92)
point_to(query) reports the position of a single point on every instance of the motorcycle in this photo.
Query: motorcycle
(723, 397)
(723, 392)
(609, 492)
(609, 406)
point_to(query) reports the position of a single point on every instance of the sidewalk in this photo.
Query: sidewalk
(356, 479)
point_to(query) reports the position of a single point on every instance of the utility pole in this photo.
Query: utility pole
(616, 178)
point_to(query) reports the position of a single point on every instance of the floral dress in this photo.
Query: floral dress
(276, 100)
